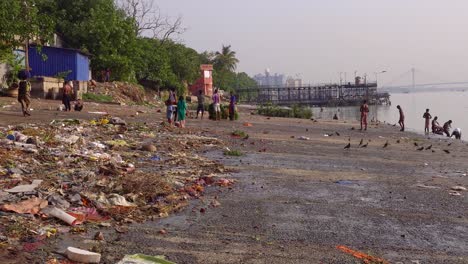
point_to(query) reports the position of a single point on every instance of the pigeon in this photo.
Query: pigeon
(386, 144)
(428, 148)
(421, 148)
(365, 145)
(447, 151)
(362, 141)
(338, 134)
(416, 144)
(348, 146)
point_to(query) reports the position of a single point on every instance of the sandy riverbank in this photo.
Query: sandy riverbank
(296, 200)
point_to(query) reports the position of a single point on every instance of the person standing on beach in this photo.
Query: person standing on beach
(66, 97)
(24, 92)
(428, 118)
(201, 104)
(447, 127)
(217, 104)
(401, 122)
(173, 100)
(181, 111)
(364, 112)
(232, 107)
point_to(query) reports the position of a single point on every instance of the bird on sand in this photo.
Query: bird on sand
(361, 142)
(421, 148)
(338, 134)
(447, 151)
(416, 144)
(365, 145)
(449, 144)
(348, 146)
(428, 148)
(398, 141)
(386, 144)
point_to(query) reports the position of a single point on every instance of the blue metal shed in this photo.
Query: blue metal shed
(52, 61)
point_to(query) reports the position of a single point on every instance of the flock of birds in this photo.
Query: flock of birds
(387, 144)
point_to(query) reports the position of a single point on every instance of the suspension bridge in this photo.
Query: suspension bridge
(407, 82)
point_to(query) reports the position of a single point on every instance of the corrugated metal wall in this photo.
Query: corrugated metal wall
(58, 61)
(82, 67)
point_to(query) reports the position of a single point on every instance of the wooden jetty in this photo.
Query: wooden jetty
(321, 95)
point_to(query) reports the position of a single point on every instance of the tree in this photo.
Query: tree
(20, 23)
(102, 29)
(226, 59)
(148, 19)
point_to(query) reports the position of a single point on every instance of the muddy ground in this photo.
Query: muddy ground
(296, 200)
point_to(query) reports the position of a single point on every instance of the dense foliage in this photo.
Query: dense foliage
(110, 35)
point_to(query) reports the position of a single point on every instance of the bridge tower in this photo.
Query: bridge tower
(413, 71)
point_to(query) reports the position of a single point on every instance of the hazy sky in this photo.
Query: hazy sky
(320, 38)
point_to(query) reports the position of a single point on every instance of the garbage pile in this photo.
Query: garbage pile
(121, 92)
(69, 174)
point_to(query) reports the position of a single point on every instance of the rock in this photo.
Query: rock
(118, 121)
(32, 141)
(83, 256)
(215, 203)
(149, 147)
(99, 236)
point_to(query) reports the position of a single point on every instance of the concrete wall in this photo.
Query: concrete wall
(51, 88)
(3, 72)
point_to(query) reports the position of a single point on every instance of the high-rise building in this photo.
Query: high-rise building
(269, 80)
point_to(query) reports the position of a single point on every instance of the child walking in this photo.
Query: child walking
(169, 111)
(181, 110)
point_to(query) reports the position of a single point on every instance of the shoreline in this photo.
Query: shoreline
(298, 194)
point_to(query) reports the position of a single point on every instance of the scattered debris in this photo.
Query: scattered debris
(25, 188)
(31, 206)
(459, 188)
(144, 259)
(362, 256)
(82, 256)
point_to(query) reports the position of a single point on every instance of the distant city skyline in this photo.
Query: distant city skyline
(320, 39)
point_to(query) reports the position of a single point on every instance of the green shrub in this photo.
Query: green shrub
(275, 111)
(224, 112)
(234, 153)
(239, 133)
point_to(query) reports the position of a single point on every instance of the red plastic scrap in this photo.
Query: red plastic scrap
(360, 255)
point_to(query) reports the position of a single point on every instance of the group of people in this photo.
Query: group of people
(440, 130)
(24, 94)
(176, 110)
(436, 128)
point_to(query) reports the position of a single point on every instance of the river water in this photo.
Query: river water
(446, 105)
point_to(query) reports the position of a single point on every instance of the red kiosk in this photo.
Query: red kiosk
(205, 82)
